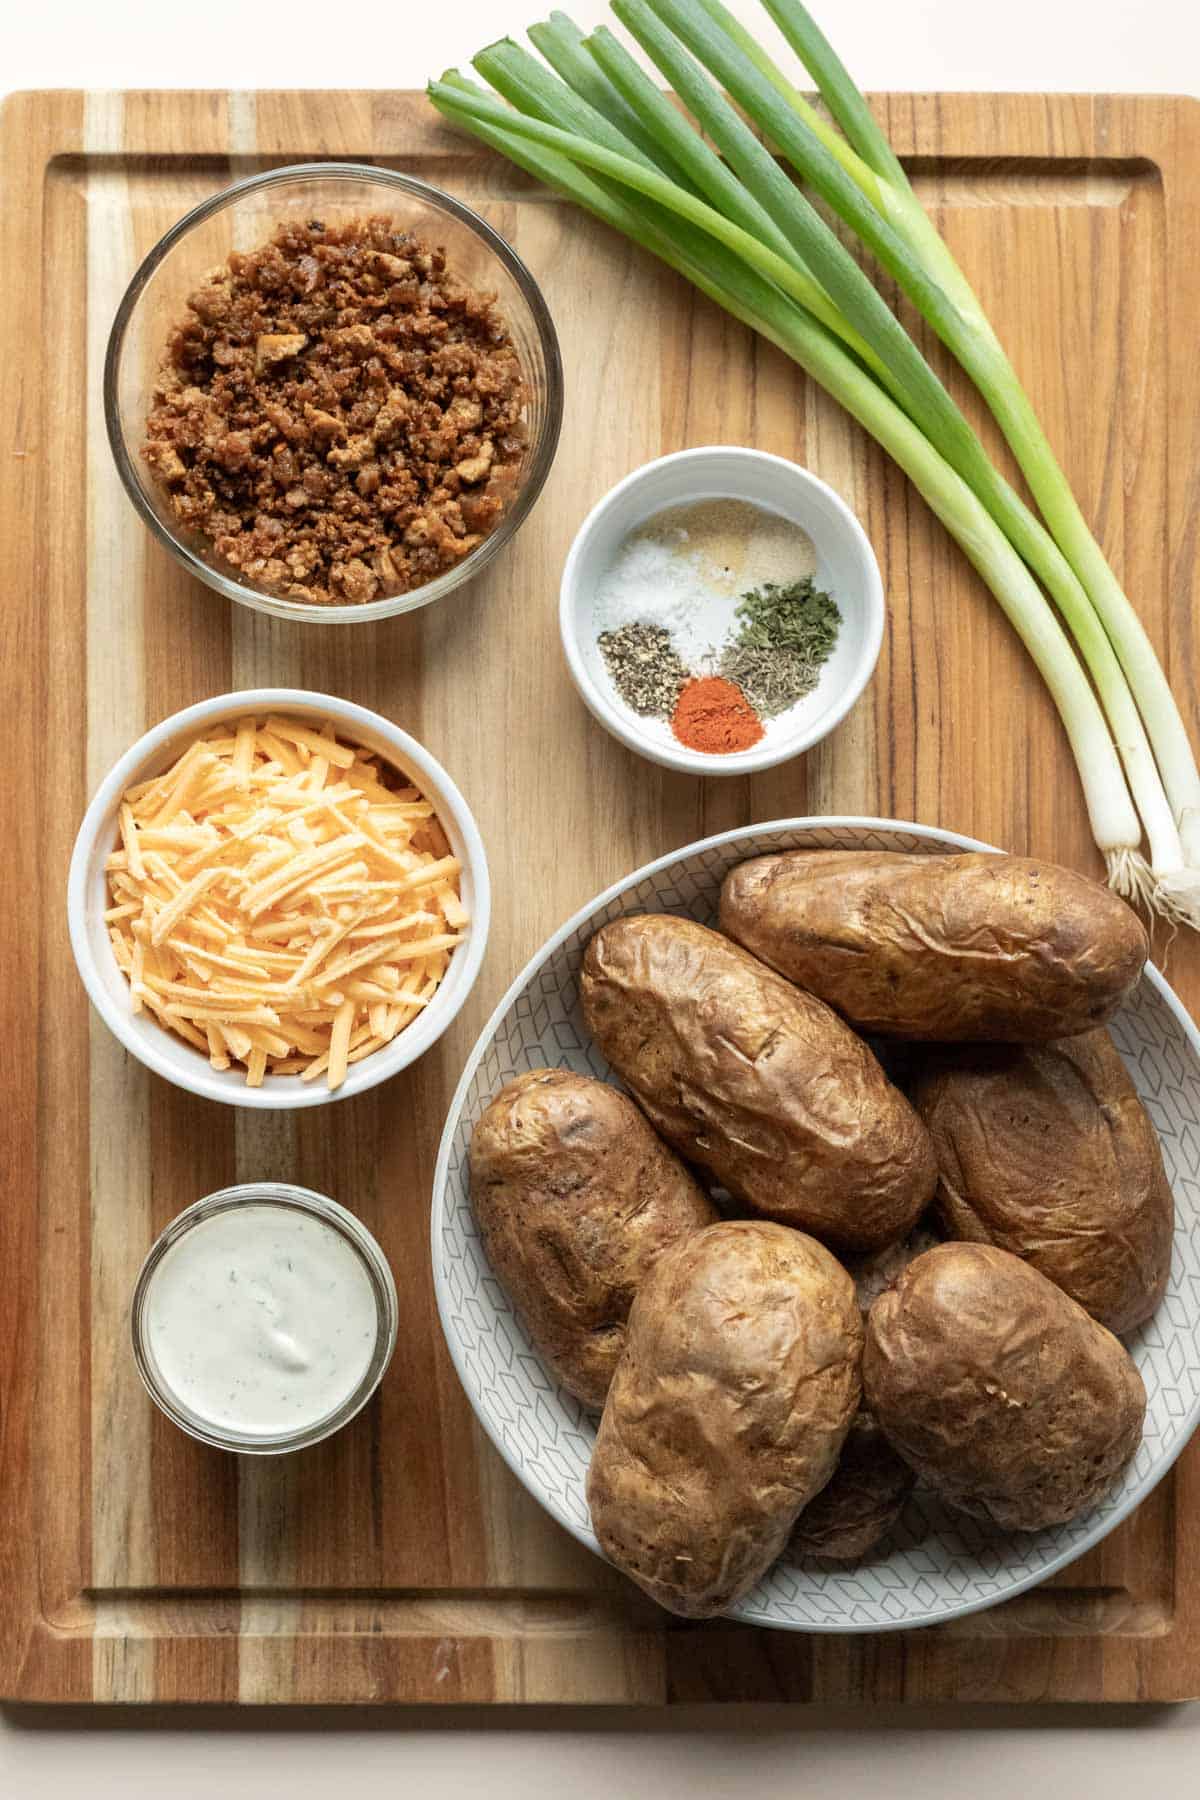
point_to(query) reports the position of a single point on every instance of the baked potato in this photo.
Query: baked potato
(738, 1382)
(999, 1390)
(1048, 1152)
(575, 1199)
(859, 1503)
(998, 949)
(865, 1495)
(875, 1273)
(756, 1081)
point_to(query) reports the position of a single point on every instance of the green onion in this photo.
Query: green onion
(757, 303)
(533, 90)
(889, 219)
(837, 87)
(911, 381)
(644, 178)
(710, 176)
(668, 239)
(561, 43)
(907, 374)
(736, 226)
(836, 145)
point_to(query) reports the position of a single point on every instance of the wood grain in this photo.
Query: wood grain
(400, 1561)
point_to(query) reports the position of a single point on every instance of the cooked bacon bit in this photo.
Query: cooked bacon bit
(277, 346)
(340, 416)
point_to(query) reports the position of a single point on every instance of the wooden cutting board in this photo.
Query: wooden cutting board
(400, 1561)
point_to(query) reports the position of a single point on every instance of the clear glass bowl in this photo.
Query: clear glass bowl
(242, 217)
(379, 1275)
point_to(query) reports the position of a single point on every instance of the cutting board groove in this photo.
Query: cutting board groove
(400, 1562)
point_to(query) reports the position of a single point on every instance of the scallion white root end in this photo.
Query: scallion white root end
(1176, 897)
(1130, 875)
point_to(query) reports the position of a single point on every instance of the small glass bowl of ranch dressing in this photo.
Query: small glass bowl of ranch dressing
(263, 1318)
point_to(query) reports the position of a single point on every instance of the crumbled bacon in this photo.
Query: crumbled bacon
(340, 417)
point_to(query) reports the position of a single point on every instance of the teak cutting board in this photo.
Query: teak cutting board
(400, 1561)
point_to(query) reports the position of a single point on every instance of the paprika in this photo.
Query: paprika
(713, 715)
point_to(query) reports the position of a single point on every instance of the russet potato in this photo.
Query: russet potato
(735, 1391)
(996, 949)
(1047, 1151)
(576, 1198)
(1001, 1392)
(865, 1495)
(756, 1081)
(859, 1503)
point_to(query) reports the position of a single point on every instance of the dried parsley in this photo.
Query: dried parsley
(645, 667)
(783, 637)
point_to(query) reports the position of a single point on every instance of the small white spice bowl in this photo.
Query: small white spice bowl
(845, 567)
(87, 898)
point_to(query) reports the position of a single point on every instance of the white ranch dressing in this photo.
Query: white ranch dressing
(261, 1319)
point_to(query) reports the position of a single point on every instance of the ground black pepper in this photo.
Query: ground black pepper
(645, 668)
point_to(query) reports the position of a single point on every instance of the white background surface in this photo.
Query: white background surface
(1130, 45)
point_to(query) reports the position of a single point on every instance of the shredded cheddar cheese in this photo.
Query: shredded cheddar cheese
(276, 904)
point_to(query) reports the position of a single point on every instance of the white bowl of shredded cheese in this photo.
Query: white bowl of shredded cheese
(320, 956)
(635, 559)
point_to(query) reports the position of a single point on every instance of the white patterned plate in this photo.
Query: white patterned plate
(938, 1565)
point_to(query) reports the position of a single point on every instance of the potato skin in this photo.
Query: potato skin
(865, 1495)
(998, 949)
(859, 1503)
(1003, 1394)
(874, 1274)
(727, 1412)
(575, 1199)
(757, 1082)
(1047, 1152)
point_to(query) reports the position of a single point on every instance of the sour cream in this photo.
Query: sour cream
(260, 1320)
